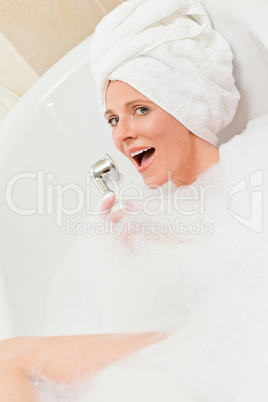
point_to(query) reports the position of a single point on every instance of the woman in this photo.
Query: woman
(138, 124)
(169, 54)
(165, 84)
(70, 359)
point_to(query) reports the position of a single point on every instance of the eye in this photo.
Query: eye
(141, 110)
(113, 121)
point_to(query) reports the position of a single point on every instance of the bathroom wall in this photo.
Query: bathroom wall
(35, 34)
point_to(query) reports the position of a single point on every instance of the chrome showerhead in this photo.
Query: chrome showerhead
(103, 172)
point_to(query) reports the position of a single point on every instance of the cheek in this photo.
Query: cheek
(177, 136)
(119, 146)
(166, 138)
(162, 129)
(116, 143)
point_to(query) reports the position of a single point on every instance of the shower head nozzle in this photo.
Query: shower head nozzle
(103, 171)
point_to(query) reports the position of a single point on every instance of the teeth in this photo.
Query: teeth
(139, 152)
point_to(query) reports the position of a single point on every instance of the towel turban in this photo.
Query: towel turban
(168, 51)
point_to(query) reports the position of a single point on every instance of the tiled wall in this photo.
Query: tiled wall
(34, 34)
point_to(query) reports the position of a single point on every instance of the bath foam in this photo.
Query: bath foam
(210, 290)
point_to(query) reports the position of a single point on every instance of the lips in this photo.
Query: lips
(142, 160)
(133, 154)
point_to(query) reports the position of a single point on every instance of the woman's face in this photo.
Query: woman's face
(138, 124)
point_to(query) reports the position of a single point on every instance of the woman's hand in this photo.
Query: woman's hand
(129, 232)
(107, 205)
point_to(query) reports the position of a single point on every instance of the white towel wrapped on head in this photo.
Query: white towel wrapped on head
(168, 51)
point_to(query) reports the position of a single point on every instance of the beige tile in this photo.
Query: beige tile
(7, 100)
(99, 4)
(109, 5)
(44, 31)
(15, 72)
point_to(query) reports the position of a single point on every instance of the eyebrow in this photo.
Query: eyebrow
(130, 103)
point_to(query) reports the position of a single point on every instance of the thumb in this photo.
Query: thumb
(107, 202)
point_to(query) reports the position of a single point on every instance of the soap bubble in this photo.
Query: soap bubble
(209, 289)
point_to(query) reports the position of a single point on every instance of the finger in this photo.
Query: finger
(108, 202)
(132, 207)
(129, 204)
(116, 216)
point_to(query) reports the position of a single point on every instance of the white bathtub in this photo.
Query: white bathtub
(57, 129)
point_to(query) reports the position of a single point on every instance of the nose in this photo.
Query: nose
(125, 129)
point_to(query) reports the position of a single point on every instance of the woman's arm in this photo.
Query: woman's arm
(61, 359)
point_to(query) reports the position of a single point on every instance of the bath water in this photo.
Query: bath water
(204, 279)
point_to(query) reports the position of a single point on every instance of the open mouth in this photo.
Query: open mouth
(144, 156)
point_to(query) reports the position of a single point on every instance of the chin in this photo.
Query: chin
(153, 184)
